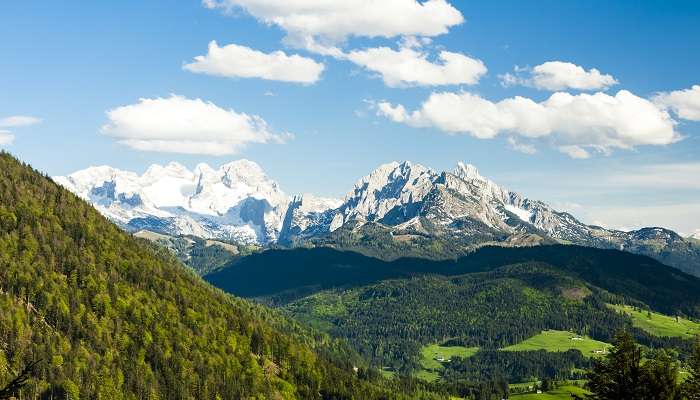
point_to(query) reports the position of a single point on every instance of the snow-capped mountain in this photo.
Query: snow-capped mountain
(696, 235)
(409, 195)
(237, 201)
(411, 200)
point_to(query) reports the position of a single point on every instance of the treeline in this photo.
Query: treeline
(521, 366)
(631, 374)
(115, 318)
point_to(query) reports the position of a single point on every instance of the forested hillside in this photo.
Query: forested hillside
(491, 299)
(112, 317)
(390, 321)
(283, 275)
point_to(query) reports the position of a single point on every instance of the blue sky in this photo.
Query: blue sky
(69, 63)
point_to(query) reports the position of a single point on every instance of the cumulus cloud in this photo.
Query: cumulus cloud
(235, 61)
(558, 75)
(684, 103)
(409, 66)
(310, 22)
(575, 124)
(15, 121)
(18, 120)
(177, 124)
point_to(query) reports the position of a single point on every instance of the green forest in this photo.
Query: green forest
(92, 312)
(532, 302)
(107, 316)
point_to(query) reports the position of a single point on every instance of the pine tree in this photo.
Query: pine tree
(691, 387)
(660, 378)
(618, 376)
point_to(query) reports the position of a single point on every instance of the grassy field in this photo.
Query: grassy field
(552, 340)
(562, 393)
(431, 365)
(660, 324)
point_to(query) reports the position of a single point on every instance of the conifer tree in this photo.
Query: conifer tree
(691, 387)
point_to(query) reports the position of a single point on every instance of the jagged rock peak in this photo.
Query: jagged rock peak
(467, 171)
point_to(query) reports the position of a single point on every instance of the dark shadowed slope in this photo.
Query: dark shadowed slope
(290, 274)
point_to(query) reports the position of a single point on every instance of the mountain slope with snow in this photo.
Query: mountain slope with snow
(696, 235)
(405, 204)
(236, 201)
(415, 205)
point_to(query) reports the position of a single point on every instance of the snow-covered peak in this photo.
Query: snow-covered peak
(487, 187)
(204, 169)
(172, 170)
(84, 181)
(244, 171)
(388, 186)
(236, 200)
(309, 203)
(387, 174)
(468, 172)
(696, 235)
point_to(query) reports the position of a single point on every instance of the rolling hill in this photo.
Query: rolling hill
(493, 298)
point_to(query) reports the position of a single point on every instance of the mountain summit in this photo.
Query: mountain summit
(239, 202)
(236, 201)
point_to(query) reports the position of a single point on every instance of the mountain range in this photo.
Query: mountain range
(404, 203)
(101, 314)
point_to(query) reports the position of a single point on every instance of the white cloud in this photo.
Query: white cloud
(6, 137)
(599, 121)
(559, 75)
(235, 61)
(521, 147)
(15, 121)
(180, 125)
(18, 120)
(308, 22)
(410, 67)
(577, 152)
(685, 103)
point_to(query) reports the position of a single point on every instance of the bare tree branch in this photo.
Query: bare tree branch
(19, 382)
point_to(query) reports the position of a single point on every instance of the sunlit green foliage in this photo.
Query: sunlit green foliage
(552, 340)
(659, 324)
(112, 317)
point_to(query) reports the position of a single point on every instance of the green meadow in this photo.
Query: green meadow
(660, 324)
(563, 392)
(431, 353)
(551, 340)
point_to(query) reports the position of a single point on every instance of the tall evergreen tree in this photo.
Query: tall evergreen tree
(691, 387)
(660, 379)
(619, 376)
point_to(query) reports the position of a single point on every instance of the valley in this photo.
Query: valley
(349, 200)
(496, 319)
(517, 312)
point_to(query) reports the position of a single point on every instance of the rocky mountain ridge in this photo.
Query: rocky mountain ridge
(239, 202)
